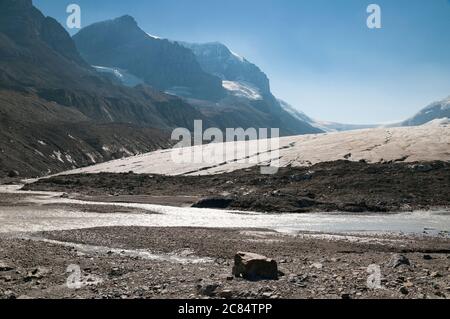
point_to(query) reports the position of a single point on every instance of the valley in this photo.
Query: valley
(329, 226)
(96, 200)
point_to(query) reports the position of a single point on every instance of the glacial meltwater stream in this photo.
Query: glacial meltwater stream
(47, 211)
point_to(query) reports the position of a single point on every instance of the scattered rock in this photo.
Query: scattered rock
(254, 267)
(208, 289)
(9, 295)
(422, 168)
(214, 202)
(4, 266)
(317, 265)
(404, 290)
(435, 274)
(298, 280)
(13, 173)
(36, 273)
(267, 295)
(303, 177)
(227, 294)
(409, 284)
(116, 272)
(398, 260)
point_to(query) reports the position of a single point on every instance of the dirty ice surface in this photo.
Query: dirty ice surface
(407, 144)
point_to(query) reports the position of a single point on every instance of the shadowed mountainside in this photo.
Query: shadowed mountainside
(49, 94)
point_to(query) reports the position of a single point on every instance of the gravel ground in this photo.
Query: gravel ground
(114, 264)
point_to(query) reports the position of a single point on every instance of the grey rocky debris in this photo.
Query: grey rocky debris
(4, 266)
(404, 290)
(208, 289)
(398, 260)
(227, 294)
(37, 273)
(252, 266)
(13, 173)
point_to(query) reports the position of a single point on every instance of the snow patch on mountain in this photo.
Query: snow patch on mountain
(442, 122)
(436, 110)
(446, 104)
(242, 89)
(182, 91)
(123, 76)
(154, 36)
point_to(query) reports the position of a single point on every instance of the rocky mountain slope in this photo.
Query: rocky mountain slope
(49, 94)
(39, 137)
(162, 64)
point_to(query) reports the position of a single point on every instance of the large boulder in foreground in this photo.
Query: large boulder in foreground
(254, 267)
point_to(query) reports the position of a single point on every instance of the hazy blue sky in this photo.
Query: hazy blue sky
(319, 54)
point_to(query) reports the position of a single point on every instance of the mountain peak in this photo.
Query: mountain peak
(22, 4)
(127, 20)
(122, 44)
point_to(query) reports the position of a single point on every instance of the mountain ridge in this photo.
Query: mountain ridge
(120, 43)
(226, 111)
(434, 111)
(50, 94)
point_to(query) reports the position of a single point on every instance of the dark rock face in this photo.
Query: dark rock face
(37, 55)
(28, 27)
(214, 202)
(254, 267)
(160, 63)
(13, 173)
(54, 35)
(398, 260)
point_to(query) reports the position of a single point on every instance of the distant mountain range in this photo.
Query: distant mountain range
(57, 111)
(436, 110)
(224, 87)
(322, 125)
